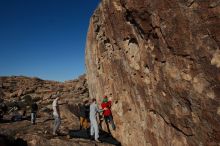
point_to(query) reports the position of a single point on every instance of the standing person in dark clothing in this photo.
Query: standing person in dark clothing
(3, 108)
(84, 115)
(106, 106)
(34, 109)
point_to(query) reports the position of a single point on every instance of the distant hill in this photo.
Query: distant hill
(17, 87)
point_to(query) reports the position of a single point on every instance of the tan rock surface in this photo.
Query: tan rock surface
(159, 61)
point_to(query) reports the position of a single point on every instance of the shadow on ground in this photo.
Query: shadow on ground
(10, 141)
(5, 121)
(103, 136)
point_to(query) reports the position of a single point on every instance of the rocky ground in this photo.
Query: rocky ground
(23, 90)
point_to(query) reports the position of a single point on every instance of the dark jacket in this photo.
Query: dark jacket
(34, 108)
(3, 108)
(84, 111)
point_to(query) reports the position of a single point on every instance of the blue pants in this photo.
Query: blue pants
(33, 117)
(110, 120)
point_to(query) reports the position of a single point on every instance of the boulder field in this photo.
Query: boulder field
(20, 91)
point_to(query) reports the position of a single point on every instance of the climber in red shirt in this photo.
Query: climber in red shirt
(106, 106)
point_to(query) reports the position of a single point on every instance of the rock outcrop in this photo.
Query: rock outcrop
(159, 60)
(19, 87)
(21, 91)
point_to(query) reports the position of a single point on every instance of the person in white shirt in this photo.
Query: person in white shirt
(56, 114)
(94, 125)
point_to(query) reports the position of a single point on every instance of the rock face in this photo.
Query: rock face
(159, 60)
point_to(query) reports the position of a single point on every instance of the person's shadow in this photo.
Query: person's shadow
(5, 121)
(103, 136)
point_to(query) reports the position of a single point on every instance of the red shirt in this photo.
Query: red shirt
(107, 105)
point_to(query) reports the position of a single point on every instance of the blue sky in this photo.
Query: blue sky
(44, 38)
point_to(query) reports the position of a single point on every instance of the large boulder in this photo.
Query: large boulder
(159, 60)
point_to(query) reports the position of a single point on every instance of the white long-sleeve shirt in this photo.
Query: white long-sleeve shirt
(93, 110)
(56, 108)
